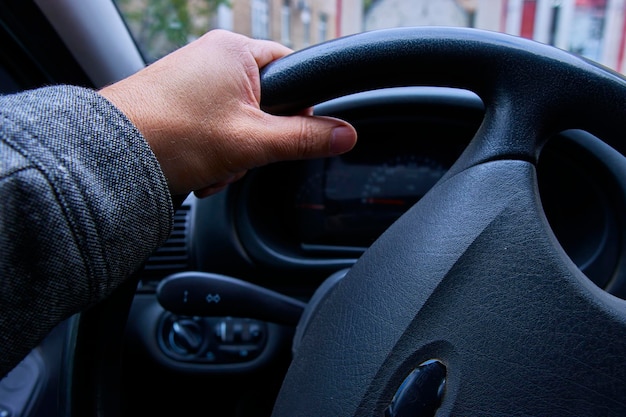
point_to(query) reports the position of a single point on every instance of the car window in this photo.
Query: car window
(593, 28)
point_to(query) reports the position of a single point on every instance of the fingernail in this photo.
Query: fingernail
(342, 140)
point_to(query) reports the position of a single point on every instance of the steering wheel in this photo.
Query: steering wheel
(467, 305)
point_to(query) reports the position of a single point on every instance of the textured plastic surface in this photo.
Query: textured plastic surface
(472, 275)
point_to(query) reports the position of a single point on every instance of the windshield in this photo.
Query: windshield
(593, 28)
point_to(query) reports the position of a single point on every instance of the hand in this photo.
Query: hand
(198, 108)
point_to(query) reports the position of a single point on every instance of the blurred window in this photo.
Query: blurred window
(593, 28)
(260, 19)
(285, 23)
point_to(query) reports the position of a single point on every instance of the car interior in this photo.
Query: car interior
(468, 252)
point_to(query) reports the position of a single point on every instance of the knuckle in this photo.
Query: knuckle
(306, 142)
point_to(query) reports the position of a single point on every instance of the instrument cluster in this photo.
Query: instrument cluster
(324, 213)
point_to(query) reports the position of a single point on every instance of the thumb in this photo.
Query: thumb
(305, 137)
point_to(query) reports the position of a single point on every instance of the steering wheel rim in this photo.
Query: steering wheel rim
(471, 276)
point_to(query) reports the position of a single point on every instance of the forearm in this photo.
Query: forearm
(83, 204)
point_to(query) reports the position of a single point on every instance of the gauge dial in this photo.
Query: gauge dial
(401, 181)
(348, 203)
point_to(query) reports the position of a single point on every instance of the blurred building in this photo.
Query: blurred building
(400, 13)
(295, 23)
(593, 28)
(160, 26)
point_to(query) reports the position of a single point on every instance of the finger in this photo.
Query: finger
(304, 137)
(265, 51)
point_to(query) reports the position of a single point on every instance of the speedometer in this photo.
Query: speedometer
(401, 181)
(351, 201)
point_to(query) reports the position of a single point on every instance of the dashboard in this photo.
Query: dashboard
(289, 226)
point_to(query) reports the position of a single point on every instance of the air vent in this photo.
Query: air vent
(173, 256)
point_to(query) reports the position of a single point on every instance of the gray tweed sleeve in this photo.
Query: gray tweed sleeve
(83, 204)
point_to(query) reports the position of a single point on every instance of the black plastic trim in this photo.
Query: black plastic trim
(142, 333)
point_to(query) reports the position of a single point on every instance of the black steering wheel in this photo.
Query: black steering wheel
(467, 305)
